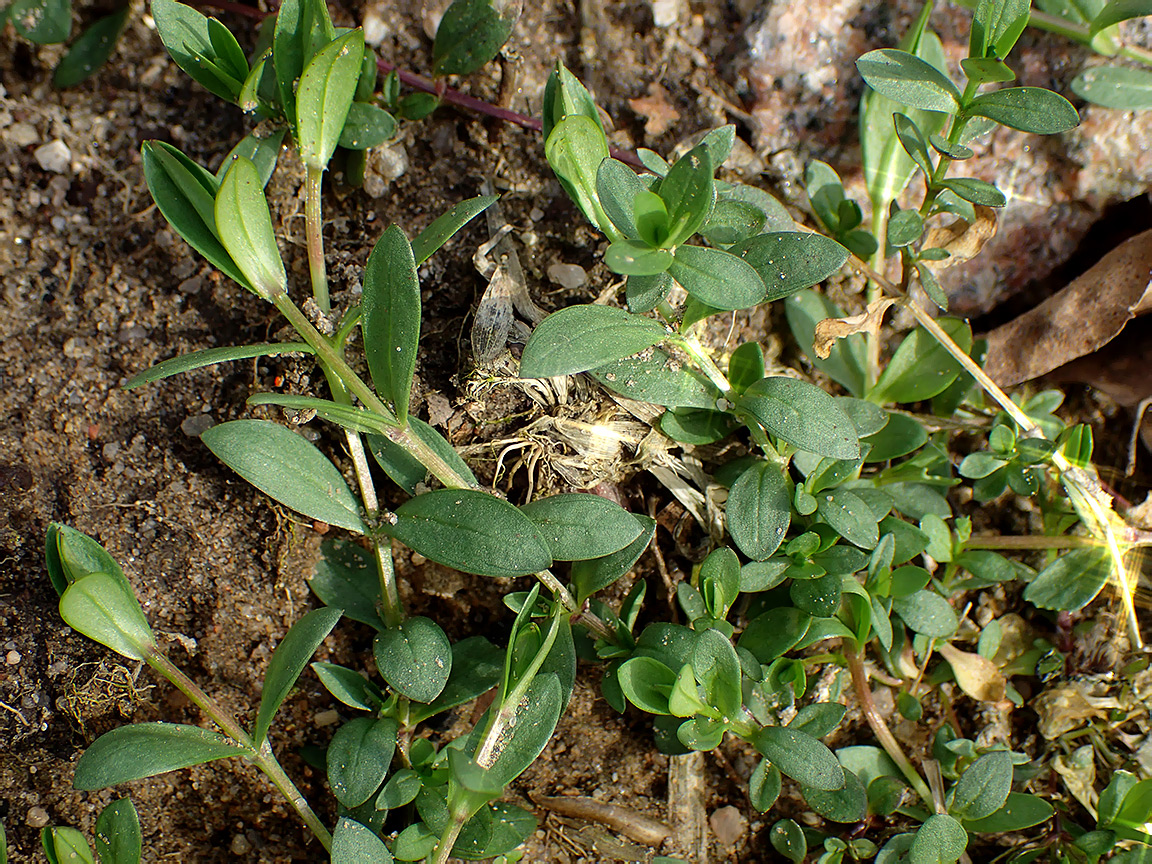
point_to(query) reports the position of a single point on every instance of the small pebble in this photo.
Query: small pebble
(326, 718)
(53, 156)
(570, 276)
(729, 825)
(21, 134)
(37, 817)
(12, 658)
(197, 425)
(240, 845)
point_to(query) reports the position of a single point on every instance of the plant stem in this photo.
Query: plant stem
(261, 756)
(313, 228)
(993, 541)
(880, 728)
(328, 355)
(696, 351)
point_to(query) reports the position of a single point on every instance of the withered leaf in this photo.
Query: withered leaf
(831, 329)
(961, 239)
(976, 675)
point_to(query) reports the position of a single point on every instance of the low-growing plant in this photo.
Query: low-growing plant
(830, 499)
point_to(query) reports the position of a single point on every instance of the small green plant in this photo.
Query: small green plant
(830, 499)
(118, 839)
(47, 22)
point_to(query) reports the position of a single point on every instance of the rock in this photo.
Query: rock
(570, 276)
(54, 156)
(21, 134)
(197, 425)
(37, 817)
(729, 825)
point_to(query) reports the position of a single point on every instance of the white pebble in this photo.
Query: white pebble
(570, 276)
(54, 156)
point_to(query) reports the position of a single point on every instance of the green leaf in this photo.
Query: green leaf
(575, 148)
(921, 366)
(44, 22)
(803, 415)
(940, 840)
(70, 555)
(996, 26)
(988, 70)
(846, 363)
(473, 532)
(564, 96)
(846, 804)
(746, 366)
(103, 607)
(1136, 808)
(983, 788)
(400, 789)
(912, 140)
(732, 221)
(407, 471)
(759, 510)
(1020, 811)
(185, 33)
(324, 95)
(899, 437)
(366, 126)
(764, 785)
(529, 730)
(354, 843)
(818, 719)
(91, 50)
(346, 578)
(1070, 582)
(644, 293)
(1111, 799)
(288, 661)
(717, 669)
(695, 425)
(818, 595)
(772, 634)
(909, 80)
(788, 261)
(646, 683)
(264, 151)
(359, 757)
(801, 757)
(147, 749)
(477, 667)
(185, 192)
(904, 228)
(976, 191)
(349, 416)
(927, 613)
(788, 839)
(688, 192)
(391, 318)
(63, 844)
(1115, 87)
(652, 376)
(716, 277)
(720, 581)
(617, 186)
(636, 258)
(118, 839)
(415, 658)
(287, 468)
(471, 33)
(245, 227)
(850, 516)
(579, 526)
(349, 686)
(1029, 109)
(595, 574)
(302, 29)
(445, 226)
(584, 337)
(1116, 11)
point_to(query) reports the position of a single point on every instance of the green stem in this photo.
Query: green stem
(880, 728)
(392, 608)
(355, 385)
(261, 756)
(313, 228)
(696, 351)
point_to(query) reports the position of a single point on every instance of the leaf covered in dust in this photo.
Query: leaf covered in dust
(831, 329)
(493, 321)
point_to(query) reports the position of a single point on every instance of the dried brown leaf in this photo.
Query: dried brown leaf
(962, 240)
(831, 329)
(976, 675)
(1080, 318)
